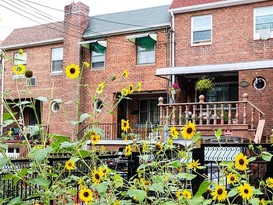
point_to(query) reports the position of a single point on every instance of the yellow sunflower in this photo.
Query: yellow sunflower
(231, 179)
(170, 141)
(220, 193)
(125, 74)
(70, 165)
(103, 170)
(245, 191)
(117, 202)
(179, 194)
(86, 195)
(189, 131)
(86, 64)
(128, 150)
(96, 176)
(262, 202)
(187, 194)
(21, 52)
(173, 132)
(139, 86)
(19, 69)
(125, 125)
(158, 146)
(269, 182)
(131, 89)
(100, 88)
(95, 138)
(193, 165)
(241, 162)
(72, 71)
(124, 92)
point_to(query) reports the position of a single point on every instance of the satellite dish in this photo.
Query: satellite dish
(264, 34)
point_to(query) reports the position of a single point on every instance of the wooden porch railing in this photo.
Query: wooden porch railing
(210, 113)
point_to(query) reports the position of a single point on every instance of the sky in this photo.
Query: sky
(25, 13)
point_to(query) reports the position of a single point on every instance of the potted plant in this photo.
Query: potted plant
(204, 84)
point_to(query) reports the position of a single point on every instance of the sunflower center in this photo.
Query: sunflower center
(241, 162)
(70, 164)
(72, 70)
(220, 191)
(246, 191)
(86, 194)
(97, 176)
(189, 130)
(232, 178)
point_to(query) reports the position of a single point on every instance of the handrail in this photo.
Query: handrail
(256, 108)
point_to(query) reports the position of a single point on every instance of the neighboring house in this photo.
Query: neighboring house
(232, 42)
(137, 41)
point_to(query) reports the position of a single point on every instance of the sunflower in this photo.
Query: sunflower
(103, 170)
(86, 195)
(128, 150)
(21, 52)
(125, 125)
(179, 193)
(187, 194)
(86, 64)
(70, 165)
(173, 132)
(72, 71)
(96, 176)
(193, 165)
(189, 131)
(144, 146)
(130, 89)
(117, 202)
(170, 141)
(19, 69)
(158, 146)
(262, 201)
(231, 179)
(269, 182)
(95, 138)
(241, 162)
(245, 191)
(124, 92)
(220, 193)
(125, 74)
(100, 88)
(139, 86)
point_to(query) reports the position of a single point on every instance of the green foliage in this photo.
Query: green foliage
(204, 83)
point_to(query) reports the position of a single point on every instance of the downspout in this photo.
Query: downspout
(2, 90)
(172, 49)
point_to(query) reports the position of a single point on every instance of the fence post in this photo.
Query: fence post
(198, 154)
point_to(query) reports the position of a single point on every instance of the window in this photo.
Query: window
(201, 30)
(223, 91)
(20, 59)
(57, 60)
(145, 50)
(98, 56)
(259, 83)
(263, 22)
(148, 111)
(55, 106)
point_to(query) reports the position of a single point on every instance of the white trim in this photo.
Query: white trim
(133, 38)
(200, 69)
(37, 43)
(212, 5)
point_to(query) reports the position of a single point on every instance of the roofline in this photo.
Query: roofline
(126, 31)
(215, 68)
(212, 5)
(37, 43)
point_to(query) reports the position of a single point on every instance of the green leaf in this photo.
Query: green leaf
(207, 202)
(24, 102)
(84, 153)
(196, 137)
(84, 116)
(7, 123)
(195, 201)
(40, 180)
(257, 191)
(187, 176)
(157, 187)
(266, 156)
(218, 133)
(7, 116)
(68, 144)
(4, 146)
(3, 161)
(169, 203)
(202, 189)
(16, 201)
(40, 154)
(60, 138)
(254, 201)
(232, 192)
(251, 159)
(225, 164)
(138, 194)
(101, 188)
(43, 99)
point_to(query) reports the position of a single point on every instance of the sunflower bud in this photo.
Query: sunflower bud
(28, 74)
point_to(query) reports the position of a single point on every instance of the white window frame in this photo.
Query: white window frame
(206, 42)
(23, 58)
(144, 51)
(57, 59)
(97, 56)
(256, 34)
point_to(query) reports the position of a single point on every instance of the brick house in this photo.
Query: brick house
(231, 42)
(136, 41)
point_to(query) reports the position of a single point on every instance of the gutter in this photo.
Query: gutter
(214, 5)
(32, 44)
